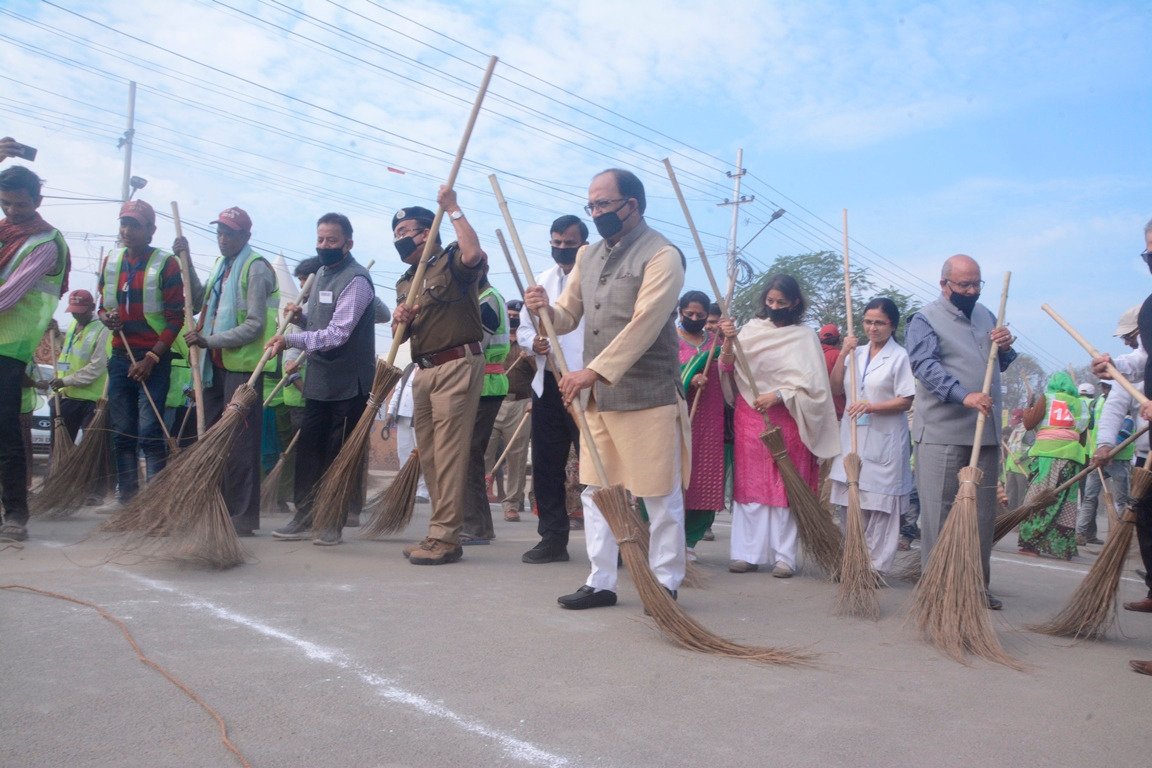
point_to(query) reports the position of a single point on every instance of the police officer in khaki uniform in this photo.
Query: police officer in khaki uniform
(445, 332)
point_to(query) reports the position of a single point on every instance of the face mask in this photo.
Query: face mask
(964, 303)
(609, 224)
(780, 316)
(405, 246)
(513, 323)
(564, 256)
(330, 256)
(692, 326)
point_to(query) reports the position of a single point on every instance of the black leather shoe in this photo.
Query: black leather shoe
(298, 529)
(545, 553)
(587, 597)
(994, 603)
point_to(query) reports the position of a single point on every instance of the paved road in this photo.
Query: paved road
(349, 656)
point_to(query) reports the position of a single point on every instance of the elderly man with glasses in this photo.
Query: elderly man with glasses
(948, 342)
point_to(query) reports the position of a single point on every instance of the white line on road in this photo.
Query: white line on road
(516, 748)
(1031, 563)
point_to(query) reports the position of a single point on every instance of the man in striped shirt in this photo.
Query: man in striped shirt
(142, 303)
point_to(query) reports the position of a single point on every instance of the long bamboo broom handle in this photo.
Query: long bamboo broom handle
(851, 331)
(144, 386)
(416, 287)
(988, 368)
(1083, 473)
(280, 328)
(519, 287)
(700, 393)
(194, 352)
(291, 445)
(741, 359)
(511, 441)
(55, 373)
(553, 339)
(1118, 377)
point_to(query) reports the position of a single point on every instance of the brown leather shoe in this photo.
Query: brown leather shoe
(1141, 606)
(436, 552)
(410, 548)
(1143, 667)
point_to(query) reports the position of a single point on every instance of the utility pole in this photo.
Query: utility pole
(126, 143)
(735, 202)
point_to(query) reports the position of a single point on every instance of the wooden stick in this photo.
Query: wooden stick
(144, 386)
(851, 332)
(700, 389)
(416, 287)
(194, 352)
(1118, 377)
(511, 441)
(993, 351)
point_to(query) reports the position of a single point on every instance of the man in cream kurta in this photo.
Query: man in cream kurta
(626, 288)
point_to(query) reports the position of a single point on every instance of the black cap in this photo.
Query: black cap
(414, 213)
(515, 304)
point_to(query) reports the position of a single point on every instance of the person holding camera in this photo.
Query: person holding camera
(34, 263)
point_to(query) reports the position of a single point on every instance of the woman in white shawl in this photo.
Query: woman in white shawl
(884, 390)
(790, 374)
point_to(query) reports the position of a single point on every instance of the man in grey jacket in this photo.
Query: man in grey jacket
(948, 343)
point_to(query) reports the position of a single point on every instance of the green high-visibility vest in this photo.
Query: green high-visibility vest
(23, 324)
(79, 347)
(244, 359)
(153, 294)
(496, 346)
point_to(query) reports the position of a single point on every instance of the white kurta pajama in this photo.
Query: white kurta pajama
(882, 443)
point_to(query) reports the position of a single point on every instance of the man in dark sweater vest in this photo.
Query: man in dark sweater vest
(340, 342)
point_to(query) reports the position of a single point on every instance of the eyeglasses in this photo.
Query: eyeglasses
(876, 323)
(602, 205)
(409, 233)
(967, 285)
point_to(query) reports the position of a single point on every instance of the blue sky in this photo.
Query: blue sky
(1018, 133)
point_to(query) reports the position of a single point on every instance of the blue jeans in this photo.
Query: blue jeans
(133, 422)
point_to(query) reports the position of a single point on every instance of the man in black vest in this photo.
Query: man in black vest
(340, 342)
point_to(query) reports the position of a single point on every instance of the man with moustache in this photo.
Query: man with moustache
(340, 341)
(554, 432)
(82, 369)
(948, 343)
(626, 288)
(445, 331)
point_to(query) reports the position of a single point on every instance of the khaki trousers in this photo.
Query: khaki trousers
(445, 399)
(515, 467)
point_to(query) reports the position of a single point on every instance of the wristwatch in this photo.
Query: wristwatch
(456, 215)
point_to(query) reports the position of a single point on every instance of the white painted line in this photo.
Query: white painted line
(1031, 563)
(515, 748)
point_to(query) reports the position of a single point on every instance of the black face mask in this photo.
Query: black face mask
(964, 303)
(692, 326)
(513, 322)
(781, 316)
(609, 224)
(330, 256)
(564, 256)
(405, 246)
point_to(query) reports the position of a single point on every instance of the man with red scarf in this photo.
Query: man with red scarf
(33, 275)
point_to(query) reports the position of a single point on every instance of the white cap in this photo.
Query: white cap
(1128, 321)
(1087, 389)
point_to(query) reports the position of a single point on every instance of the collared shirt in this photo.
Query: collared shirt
(552, 281)
(350, 305)
(130, 289)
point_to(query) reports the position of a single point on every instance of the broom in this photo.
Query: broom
(271, 485)
(817, 532)
(1007, 521)
(612, 501)
(194, 352)
(856, 593)
(184, 500)
(80, 473)
(1091, 610)
(62, 444)
(950, 606)
(391, 510)
(339, 488)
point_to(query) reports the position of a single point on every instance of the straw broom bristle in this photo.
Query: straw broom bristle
(856, 593)
(391, 510)
(270, 488)
(676, 625)
(1007, 521)
(950, 606)
(80, 475)
(341, 486)
(183, 502)
(818, 534)
(1091, 611)
(694, 577)
(62, 447)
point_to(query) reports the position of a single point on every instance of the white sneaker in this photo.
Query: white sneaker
(782, 570)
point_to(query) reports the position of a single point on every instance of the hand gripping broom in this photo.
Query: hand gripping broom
(856, 593)
(817, 532)
(184, 502)
(612, 500)
(1091, 611)
(950, 605)
(343, 483)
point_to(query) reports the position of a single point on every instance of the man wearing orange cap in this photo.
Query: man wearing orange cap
(33, 276)
(141, 301)
(241, 299)
(82, 369)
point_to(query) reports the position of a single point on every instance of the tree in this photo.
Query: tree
(821, 279)
(1024, 379)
